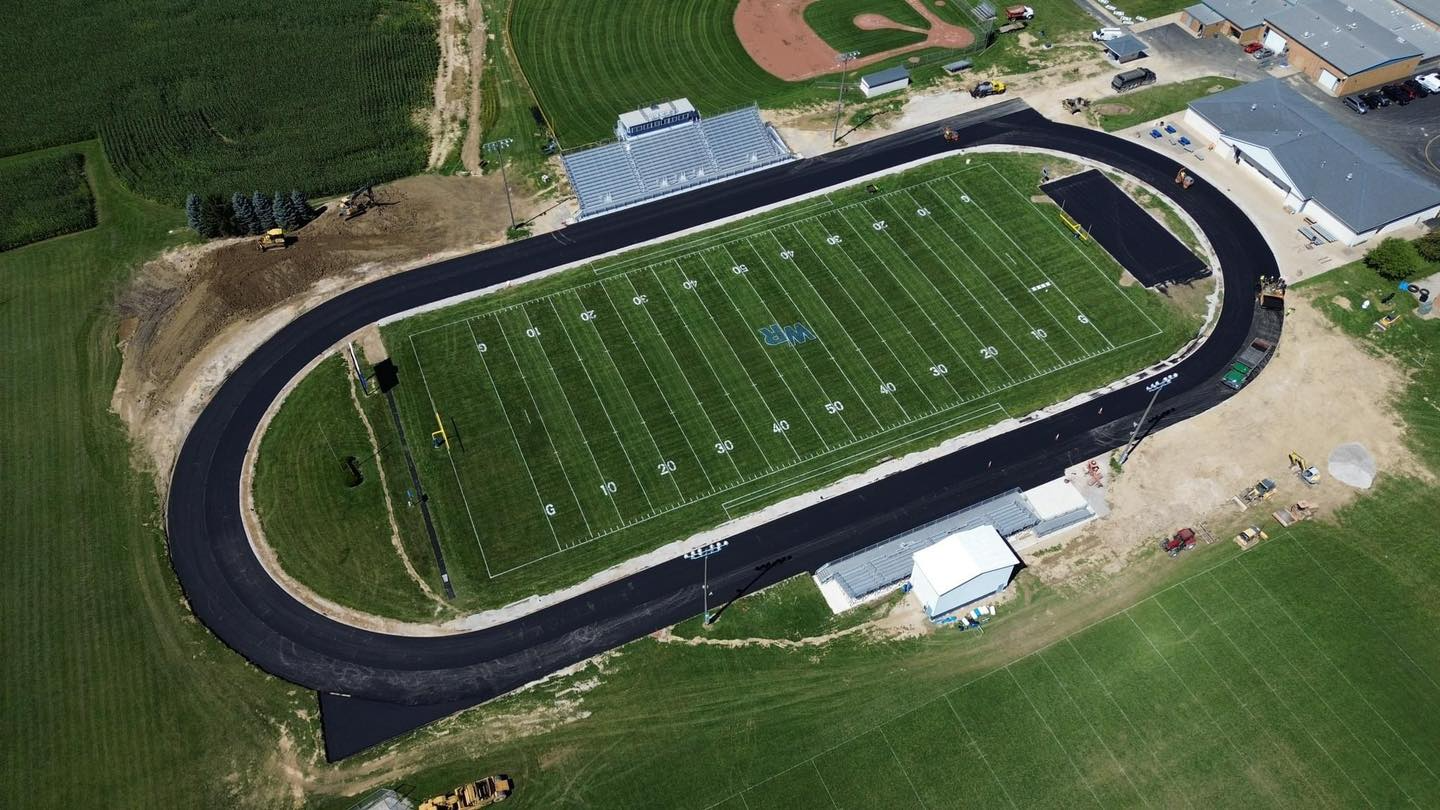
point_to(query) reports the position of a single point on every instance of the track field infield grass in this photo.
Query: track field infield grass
(616, 407)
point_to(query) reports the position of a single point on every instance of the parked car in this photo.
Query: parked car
(1416, 89)
(1396, 93)
(1251, 47)
(1131, 79)
(1354, 103)
(1106, 34)
(1263, 54)
(1375, 100)
(1429, 81)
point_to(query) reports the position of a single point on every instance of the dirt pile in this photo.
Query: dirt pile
(189, 316)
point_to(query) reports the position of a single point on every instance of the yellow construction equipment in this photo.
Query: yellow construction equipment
(274, 238)
(356, 202)
(487, 791)
(1262, 491)
(1308, 472)
(1272, 292)
(1250, 537)
(1300, 510)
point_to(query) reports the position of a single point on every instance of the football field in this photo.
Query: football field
(769, 358)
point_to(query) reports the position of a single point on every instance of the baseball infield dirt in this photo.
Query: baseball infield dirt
(776, 36)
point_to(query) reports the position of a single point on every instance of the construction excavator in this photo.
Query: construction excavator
(1308, 472)
(356, 202)
(484, 793)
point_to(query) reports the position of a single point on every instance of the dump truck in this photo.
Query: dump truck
(274, 239)
(1245, 365)
(985, 89)
(484, 793)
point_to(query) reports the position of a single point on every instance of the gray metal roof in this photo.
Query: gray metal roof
(886, 76)
(1429, 9)
(888, 562)
(617, 175)
(1247, 14)
(1342, 36)
(1337, 167)
(1401, 22)
(1204, 14)
(1126, 46)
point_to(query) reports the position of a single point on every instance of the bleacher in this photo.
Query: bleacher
(672, 160)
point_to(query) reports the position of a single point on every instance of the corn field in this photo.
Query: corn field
(211, 97)
(43, 196)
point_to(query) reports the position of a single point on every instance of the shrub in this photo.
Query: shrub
(1393, 258)
(1428, 246)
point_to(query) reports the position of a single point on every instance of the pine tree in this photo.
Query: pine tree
(264, 214)
(192, 212)
(214, 214)
(301, 206)
(243, 214)
(280, 212)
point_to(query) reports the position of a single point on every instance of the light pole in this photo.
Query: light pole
(1154, 388)
(845, 59)
(704, 553)
(496, 147)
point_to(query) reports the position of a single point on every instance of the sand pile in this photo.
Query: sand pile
(1352, 464)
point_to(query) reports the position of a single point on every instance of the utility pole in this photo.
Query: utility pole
(704, 553)
(844, 59)
(495, 148)
(1154, 388)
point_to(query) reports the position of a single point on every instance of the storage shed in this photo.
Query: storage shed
(884, 81)
(962, 568)
(1125, 49)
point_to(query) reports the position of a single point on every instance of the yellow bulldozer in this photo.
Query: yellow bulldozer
(274, 239)
(484, 793)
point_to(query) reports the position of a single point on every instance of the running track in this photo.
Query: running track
(374, 686)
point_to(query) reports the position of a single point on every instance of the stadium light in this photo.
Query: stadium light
(704, 553)
(495, 147)
(845, 59)
(1154, 388)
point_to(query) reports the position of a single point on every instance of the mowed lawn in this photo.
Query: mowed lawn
(589, 62)
(1260, 682)
(614, 408)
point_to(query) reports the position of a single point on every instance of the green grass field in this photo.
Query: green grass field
(43, 195)
(1156, 103)
(319, 96)
(304, 490)
(611, 409)
(834, 21)
(110, 688)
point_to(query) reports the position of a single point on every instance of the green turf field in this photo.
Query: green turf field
(319, 96)
(834, 21)
(609, 410)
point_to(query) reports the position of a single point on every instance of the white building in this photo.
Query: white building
(962, 568)
(1059, 506)
(884, 81)
(1351, 188)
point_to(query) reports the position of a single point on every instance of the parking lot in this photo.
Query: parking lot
(1405, 132)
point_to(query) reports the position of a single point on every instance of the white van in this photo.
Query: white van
(1106, 34)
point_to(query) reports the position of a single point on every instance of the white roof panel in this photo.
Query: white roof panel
(962, 556)
(1055, 498)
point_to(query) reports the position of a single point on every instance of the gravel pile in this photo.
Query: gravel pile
(1352, 464)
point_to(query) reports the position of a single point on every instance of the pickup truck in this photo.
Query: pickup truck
(1245, 365)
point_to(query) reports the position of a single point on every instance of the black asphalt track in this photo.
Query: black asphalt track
(373, 685)
(1140, 244)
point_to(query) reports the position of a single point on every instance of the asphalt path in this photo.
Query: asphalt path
(373, 685)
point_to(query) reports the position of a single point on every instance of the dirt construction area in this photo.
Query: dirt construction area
(192, 314)
(1186, 475)
(776, 36)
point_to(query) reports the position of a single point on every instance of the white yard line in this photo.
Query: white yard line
(603, 409)
(455, 471)
(1056, 737)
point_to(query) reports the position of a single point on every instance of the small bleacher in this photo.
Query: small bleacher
(683, 153)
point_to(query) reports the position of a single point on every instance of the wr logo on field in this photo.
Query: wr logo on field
(777, 335)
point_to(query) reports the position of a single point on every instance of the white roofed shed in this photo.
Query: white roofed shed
(962, 568)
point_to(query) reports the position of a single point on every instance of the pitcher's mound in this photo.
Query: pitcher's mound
(1352, 464)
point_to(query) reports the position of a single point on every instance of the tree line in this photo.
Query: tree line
(246, 214)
